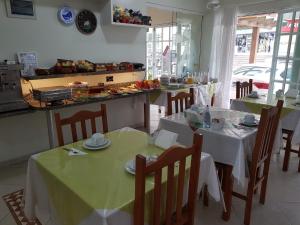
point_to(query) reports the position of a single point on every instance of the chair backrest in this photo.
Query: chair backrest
(81, 117)
(182, 99)
(183, 215)
(243, 89)
(265, 137)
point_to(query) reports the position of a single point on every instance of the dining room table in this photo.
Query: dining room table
(231, 145)
(290, 114)
(94, 187)
(203, 93)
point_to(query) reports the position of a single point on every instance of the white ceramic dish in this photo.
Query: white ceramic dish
(253, 96)
(247, 124)
(97, 147)
(130, 167)
(89, 143)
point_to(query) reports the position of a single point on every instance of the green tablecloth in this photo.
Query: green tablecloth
(256, 105)
(155, 94)
(78, 185)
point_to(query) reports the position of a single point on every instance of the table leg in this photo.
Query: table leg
(147, 114)
(50, 128)
(227, 188)
(287, 154)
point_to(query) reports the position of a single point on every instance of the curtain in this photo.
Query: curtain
(222, 52)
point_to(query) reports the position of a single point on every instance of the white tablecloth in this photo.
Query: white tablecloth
(290, 121)
(39, 205)
(203, 94)
(231, 145)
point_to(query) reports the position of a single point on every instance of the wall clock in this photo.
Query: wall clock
(66, 15)
(86, 22)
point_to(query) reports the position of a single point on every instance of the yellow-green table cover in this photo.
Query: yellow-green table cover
(80, 186)
(290, 115)
(255, 105)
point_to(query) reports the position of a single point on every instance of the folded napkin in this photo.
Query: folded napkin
(76, 152)
(165, 139)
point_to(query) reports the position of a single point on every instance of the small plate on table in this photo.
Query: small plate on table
(253, 96)
(247, 124)
(297, 104)
(130, 165)
(106, 144)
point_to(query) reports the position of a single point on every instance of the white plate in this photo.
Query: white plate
(253, 96)
(97, 148)
(130, 167)
(254, 124)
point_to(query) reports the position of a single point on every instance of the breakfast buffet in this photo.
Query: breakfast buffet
(70, 86)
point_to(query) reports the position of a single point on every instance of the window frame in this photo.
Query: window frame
(161, 42)
(287, 59)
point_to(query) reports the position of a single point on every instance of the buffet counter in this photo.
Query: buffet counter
(27, 132)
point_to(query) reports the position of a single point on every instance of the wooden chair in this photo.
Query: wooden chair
(183, 215)
(243, 89)
(261, 156)
(288, 149)
(182, 99)
(81, 117)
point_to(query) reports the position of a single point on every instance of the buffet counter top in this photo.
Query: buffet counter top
(36, 105)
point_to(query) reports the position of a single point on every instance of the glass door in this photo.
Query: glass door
(188, 43)
(285, 72)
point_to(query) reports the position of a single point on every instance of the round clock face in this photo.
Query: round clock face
(86, 22)
(66, 15)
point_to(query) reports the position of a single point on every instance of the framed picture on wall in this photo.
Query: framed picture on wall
(24, 9)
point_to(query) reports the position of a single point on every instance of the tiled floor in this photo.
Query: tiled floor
(282, 206)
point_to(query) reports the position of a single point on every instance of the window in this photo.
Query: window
(161, 51)
(285, 72)
(173, 44)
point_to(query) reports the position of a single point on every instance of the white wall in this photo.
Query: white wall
(196, 6)
(161, 16)
(52, 40)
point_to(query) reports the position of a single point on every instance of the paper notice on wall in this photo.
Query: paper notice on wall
(29, 60)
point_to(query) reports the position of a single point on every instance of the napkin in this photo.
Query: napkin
(193, 116)
(76, 152)
(165, 139)
(291, 93)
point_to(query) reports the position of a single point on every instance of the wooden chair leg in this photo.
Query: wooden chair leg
(248, 209)
(228, 186)
(287, 155)
(264, 184)
(257, 177)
